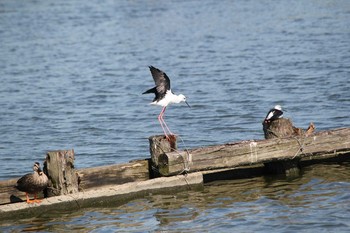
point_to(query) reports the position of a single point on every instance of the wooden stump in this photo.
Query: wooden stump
(59, 167)
(279, 128)
(282, 128)
(159, 145)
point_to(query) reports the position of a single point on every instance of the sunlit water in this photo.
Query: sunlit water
(72, 74)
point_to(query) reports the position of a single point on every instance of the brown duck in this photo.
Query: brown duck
(33, 183)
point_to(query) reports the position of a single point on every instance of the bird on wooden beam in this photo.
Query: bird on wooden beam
(33, 183)
(163, 96)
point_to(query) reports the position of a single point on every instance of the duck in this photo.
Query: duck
(33, 183)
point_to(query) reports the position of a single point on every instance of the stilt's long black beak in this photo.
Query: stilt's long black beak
(187, 104)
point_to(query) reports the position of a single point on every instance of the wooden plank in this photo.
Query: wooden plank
(335, 142)
(95, 177)
(89, 178)
(106, 196)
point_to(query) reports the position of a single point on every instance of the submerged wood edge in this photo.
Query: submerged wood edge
(104, 196)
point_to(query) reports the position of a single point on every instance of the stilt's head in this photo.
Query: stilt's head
(182, 98)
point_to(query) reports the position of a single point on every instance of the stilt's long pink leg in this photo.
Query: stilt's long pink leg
(166, 124)
(160, 119)
(167, 127)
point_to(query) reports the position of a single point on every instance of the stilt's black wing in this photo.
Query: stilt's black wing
(161, 80)
(273, 114)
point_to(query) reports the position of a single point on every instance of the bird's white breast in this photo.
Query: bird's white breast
(167, 99)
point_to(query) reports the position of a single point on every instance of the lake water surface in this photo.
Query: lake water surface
(72, 74)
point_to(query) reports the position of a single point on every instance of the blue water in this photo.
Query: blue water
(72, 74)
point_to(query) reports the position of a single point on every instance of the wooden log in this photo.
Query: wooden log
(330, 143)
(159, 145)
(59, 167)
(105, 196)
(96, 177)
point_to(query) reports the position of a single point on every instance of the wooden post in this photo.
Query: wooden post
(159, 145)
(279, 128)
(59, 167)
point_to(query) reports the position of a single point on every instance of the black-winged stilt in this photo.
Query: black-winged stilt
(164, 95)
(274, 114)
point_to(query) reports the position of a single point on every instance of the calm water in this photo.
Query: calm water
(72, 74)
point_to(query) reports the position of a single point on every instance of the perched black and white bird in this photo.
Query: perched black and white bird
(33, 183)
(163, 95)
(274, 114)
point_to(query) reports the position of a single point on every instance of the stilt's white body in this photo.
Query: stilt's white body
(169, 98)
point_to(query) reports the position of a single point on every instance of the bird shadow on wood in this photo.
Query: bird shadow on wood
(14, 199)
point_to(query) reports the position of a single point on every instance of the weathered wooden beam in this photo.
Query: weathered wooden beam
(95, 177)
(59, 168)
(105, 196)
(251, 152)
